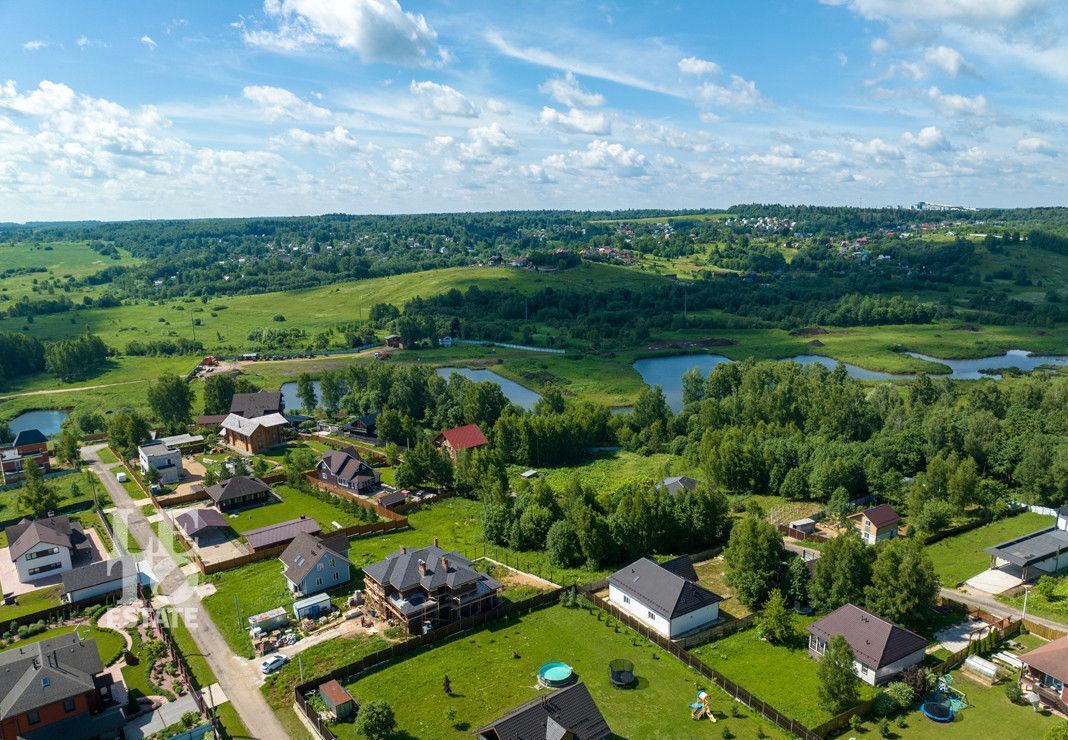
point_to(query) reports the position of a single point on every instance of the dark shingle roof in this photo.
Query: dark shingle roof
(1051, 658)
(882, 515)
(401, 570)
(392, 498)
(677, 483)
(196, 521)
(276, 534)
(662, 590)
(261, 403)
(569, 712)
(99, 573)
(47, 671)
(239, 485)
(347, 464)
(26, 535)
(681, 566)
(875, 641)
(29, 437)
(306, 550)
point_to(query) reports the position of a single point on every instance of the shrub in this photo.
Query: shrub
(855, 722)
(375, 720)
(884, 727)
(1013, 692)
(884, 706)
(901, 694)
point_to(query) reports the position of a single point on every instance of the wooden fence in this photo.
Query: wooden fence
(351, 496)
(1048, 633)
(797, 534)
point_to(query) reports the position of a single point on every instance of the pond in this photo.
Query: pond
(1017, 358)
(48, 422)
(291, 399)
(514, 392)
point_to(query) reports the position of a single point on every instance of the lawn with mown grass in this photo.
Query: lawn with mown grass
(781, 675)
(109, 643)
(135, 491)
(291, 503)
(1053, 605)
(488, 682)
(958, 558)
(35, 601)
(74, 490)
(166, 535)
(608, 470)
(107, 456)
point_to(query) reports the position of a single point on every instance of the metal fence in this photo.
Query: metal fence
(525, 347)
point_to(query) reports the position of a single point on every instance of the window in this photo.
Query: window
(1053, 683)
(319, 566)
(33, 717)
(68, 705)
(318, 581)
(331, 562)
(652, 617)
(337, 576)
(626, 599)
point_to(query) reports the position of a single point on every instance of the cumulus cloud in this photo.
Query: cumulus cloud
(880, 45)
(928, 139)
(947, 59)
(338, 139)
(278, 103)
(569, 92)
(442, 100)
(49, 97)
(147, 41)
(484, 143)
(952, 104)
(740, 93)
(600, 155)
(1036, 145)
(695, 66)
(578, 121)
(875, 148)
(375, 30)
(962, 11)
(34, 45)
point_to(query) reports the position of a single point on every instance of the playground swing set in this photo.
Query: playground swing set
(702, 708)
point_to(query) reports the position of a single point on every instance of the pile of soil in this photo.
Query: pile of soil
(816, 343)
(809, 332)
(690, 343)
(967, 327)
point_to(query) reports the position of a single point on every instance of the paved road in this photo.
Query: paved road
(238, 677)
(998, 609)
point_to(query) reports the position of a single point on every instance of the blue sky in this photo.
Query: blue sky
(117, 110)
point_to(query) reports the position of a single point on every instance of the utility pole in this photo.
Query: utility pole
(300, 665)
(193, 325)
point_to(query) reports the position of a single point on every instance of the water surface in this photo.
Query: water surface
(517, 394)
(1017, 358)
(48, 422)
(291, 399)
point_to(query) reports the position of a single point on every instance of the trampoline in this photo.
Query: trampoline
(621, 672)
(556, 674)
(937, 711)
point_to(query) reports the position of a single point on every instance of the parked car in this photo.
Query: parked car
(273, 663)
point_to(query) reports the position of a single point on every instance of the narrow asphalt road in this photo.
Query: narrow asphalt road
(238, 677)
(991, 605)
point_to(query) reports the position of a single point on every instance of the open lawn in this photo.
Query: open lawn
(64, 485)
(712, 575)
(1054, 606)
(166, 535)
(293, 503)
(606, 471)
(109, 643)
(31, 603)
(107, 456)
(783, 676)
(60, 260)
(487, 682)
(958, 558)
(989, 715)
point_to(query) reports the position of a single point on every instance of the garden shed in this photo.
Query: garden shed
(337, 699)
(312, 607)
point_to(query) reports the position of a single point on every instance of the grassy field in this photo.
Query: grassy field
(11, 512)
(60, 259)
(608, 470)
(109, 643)
(107, 456)
(31, 603)
(487, 682)
(1054, 607)
(166, 535)
(291, 505)
(957, 559)
(783, 676)
(712, 575)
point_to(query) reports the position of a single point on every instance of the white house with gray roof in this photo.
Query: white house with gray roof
(664, 597)
(311, 564)
(46, 547)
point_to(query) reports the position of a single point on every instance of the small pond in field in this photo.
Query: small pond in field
(291, 399)
(517, 394)
(48, 422)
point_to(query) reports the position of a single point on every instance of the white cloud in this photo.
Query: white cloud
(579, 121)
(1036, 145)
(880, 45)
(1051, 61)
(48, 98)
(569, 92)
(842, 58)
(963, 11)
(278, 103)
(147, 41)
(928, 139)
(83, 41)
(947, 59)
(335, 140)
(951, 104)
(708, 117)
(442, 100)
(497, 106)
(484, 143)
(875, 148)
(376, 30)
(695, 66)
(741, 93)
(600, 155)
(34, 45)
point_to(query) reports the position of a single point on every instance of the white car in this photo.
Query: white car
(273, 663)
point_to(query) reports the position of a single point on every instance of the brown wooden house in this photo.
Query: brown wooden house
(254, 435)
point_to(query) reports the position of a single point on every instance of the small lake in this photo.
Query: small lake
(48, 422)
(1017, 358)
(291, 399)
(517, 394)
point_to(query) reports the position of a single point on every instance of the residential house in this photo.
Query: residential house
(312, 564)
(260, 403)
(1032, 556)
(666, 598)
(47, 547)
(254, 435)
(881, 649)
(458, 439)
(339, 702)
(364, 426)
(565, 714)
(393, 341)
(56, 688)
(239, 491)
(676, 484)
(428, 588)
(203, 526)
(29, 444)
(877, 523)
(277, 535)
(346, 469)
(99, 579)
(1045, 672)
(166, 460)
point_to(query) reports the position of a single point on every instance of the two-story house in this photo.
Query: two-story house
(427, 588)
(29, 444)
(56, 688)
(258, 434)
(346, 469)
(312, 564)
(260, 403)
(877, 523)
(156, 454)
(46, 547)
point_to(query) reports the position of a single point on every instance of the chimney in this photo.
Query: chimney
(435, 542)
(404, 550)
(444, 563)
(422, 567)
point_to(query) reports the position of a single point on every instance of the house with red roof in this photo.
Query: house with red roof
(1046, 673)
(458, 439)
(877, 523)
(881, 649)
